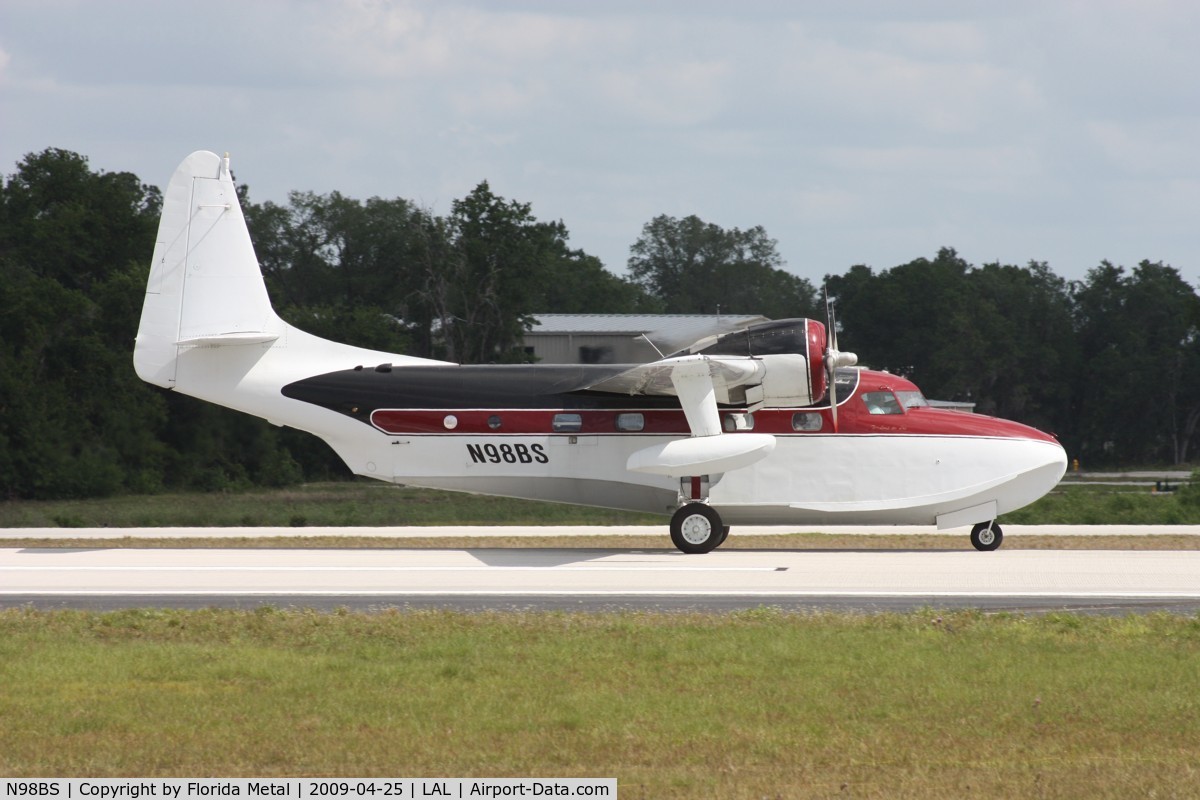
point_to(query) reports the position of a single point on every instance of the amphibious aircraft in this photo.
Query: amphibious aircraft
(767, 425)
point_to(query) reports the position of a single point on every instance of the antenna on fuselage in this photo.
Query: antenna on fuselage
(661, 354)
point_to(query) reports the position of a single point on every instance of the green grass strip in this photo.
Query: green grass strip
(746, 705)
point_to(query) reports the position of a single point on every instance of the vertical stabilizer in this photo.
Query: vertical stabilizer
(205, 286)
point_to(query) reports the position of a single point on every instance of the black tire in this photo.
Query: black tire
(986, 536)
(696, 528)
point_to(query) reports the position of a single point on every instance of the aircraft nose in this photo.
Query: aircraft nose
(1045, 463)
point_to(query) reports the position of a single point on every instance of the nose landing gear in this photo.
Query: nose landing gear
(986, 536)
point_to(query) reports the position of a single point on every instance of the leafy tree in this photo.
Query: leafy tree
(696, 267)
(999, 336)
(1138, 397)
(337, 267)
(75, 421)
(387, 275)
(1023, 357)
(489, 284)
(905, 319)
(578, 283)
(65, 222)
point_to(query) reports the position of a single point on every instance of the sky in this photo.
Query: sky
(852, 132)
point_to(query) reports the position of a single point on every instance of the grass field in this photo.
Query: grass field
(749, 705)
(370, 503)
(333, 504)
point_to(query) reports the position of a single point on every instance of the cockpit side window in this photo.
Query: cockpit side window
(882, 403)
(912, 399)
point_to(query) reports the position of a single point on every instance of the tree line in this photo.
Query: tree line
(1110, 363)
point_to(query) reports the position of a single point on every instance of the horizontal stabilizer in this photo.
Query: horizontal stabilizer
(702, 455)
(232, 338)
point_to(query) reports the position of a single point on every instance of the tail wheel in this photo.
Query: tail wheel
(986, 536)
(697, 528)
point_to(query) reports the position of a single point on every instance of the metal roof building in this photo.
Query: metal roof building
(618, 338)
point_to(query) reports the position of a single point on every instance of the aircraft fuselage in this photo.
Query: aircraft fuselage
(528, 432)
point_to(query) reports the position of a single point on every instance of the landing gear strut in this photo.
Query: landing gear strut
(986, 536)
(697, 528)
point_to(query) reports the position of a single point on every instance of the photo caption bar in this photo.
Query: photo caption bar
(302, 788)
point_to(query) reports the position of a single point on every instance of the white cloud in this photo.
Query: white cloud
(676, 93)
(901, 92)
(401, 41)
(859, 132)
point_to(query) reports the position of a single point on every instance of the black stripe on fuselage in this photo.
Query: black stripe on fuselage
(358, 392)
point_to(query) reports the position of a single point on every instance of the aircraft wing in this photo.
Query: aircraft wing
(701, 382)
(655, 377)
(777, 380)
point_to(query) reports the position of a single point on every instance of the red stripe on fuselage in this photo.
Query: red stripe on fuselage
(853, 419)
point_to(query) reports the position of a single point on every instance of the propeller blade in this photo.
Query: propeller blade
(830, 322)
(834, 357)
(831, 356)
(832, 389)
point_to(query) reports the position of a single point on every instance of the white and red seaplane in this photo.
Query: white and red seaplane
(768, 425)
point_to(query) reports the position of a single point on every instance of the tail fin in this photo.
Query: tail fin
(205, 287)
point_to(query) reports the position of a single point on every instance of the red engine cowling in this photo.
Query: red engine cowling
(816, 339)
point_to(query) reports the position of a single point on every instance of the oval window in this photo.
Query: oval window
(630, 422)
(567, 423)
(739, 422)
(806, 421)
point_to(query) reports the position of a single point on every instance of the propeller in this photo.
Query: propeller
(834, 358)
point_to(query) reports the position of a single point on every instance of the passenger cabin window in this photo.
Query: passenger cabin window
(630, 422)
(806, 421)
(567, 423)
(739, 422)
(882, 403)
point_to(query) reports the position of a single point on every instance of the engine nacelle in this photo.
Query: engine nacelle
(793, 355)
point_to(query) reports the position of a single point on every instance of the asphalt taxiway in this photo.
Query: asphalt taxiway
(601, 579)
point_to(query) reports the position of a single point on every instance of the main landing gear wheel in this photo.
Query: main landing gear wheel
(986, 536)
(697, 528)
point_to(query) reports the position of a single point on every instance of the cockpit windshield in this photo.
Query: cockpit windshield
(882, 402)
(912, 399)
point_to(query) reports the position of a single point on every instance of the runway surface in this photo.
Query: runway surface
(592, 579)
